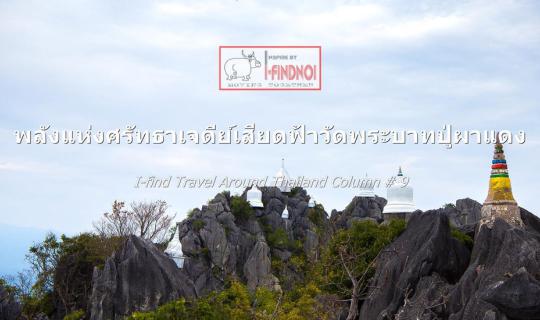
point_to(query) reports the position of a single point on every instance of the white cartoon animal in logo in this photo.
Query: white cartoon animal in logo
(241, 67)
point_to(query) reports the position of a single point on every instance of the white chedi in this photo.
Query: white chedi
(174, 249)
(285, 213)
(366, 188)
(254, 197)
(400, 196)
(282, 178)
(312, 203)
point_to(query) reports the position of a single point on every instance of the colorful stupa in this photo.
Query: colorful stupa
(500, 202)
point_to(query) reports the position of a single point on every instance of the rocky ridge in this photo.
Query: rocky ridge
(426, 273)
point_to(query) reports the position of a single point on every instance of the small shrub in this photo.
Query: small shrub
(317, 216)
(278, 239)
(299, 262)
(462, 237)
(449, 206)
(241, 209)
(198, 224)
(75, 315)
(294, 191)
(192, 212)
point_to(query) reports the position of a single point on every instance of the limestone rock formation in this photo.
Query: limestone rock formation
(137, 277)
(469, 211)
(360, 208)
(10, 309)
(217, 244)
(425, 273)
(258, 270)
(424, 249)
(429, 275)
(502, 279)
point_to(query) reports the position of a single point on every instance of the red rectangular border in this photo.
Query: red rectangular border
(269, 89)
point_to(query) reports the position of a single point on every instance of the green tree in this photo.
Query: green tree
(348, 263)
(43, 258)
(241, 209)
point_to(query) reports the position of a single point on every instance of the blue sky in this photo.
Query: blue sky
(386, 64)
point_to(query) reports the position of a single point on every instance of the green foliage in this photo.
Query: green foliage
(278, 239)
(355, 249)
(32, 305)
(235, 302)
(231, 303)
(198, 224)
(301, 304)
(294, 191)
(449, 206)
(299, 262)
(63, 269)
(241, 209)
(75, 315)
(462, 237)
(317, 215)
(175, 310)
(8, 287)
(191, 212)
(77, 259)
(276, 264)
(43, 258)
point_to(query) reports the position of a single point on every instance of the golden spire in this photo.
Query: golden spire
(500, 188)
(500, 202)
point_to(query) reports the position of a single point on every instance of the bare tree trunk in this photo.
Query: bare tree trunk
(353, 308)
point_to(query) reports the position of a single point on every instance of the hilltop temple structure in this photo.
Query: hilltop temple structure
(399, 196)
(500, 202)
(174, 249)
(282, 178)
(254, 197)
(366, 188)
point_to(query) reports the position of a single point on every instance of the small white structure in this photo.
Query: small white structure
(285, 213)
(282, 178)
(311, 203)
(399, 196)
(254, 197)
(174, 249)
(366, 188)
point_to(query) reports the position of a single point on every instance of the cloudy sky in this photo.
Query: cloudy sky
(387, 65)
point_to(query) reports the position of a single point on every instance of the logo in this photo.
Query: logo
(270, 68)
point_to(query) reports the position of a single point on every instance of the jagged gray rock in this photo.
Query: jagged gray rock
(360, 208)
(499, 283)
(218, 245)
(10, 309)
(518, 296)
(424, 248)
(138, 277)
(502, 278)
(464, 215)
(427, 303)
(258, 270)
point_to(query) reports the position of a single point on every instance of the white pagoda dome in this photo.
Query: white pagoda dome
(174, 249)
(254, 197)
(399, 196)
(366, 188)
(282, 178)
(285, 213)
(312, 203)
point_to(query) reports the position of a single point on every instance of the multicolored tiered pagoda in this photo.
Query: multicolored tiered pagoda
(500, 202)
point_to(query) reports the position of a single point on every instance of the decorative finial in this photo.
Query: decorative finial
(283, 163)
(400, 172)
